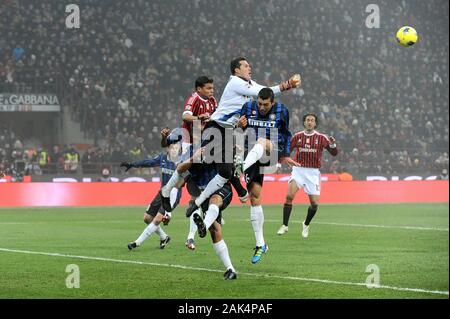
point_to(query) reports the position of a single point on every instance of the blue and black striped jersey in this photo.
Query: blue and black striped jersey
(261, 125)
(167, 166)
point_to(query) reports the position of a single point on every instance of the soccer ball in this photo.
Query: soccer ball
(407, 36)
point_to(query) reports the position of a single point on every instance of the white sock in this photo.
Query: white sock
(222, 252)
(211, 215)
(192, 226)
(173, 196)
(146, 233)
(165, 191)
(253, 156)
(257, 218)
(162, 234)
(215, 184)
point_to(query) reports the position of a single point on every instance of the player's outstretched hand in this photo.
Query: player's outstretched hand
(289, 161)
(126, 165)
(295, 81)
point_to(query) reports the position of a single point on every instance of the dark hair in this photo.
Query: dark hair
(266, 93)
(311, 114)
(236, 63)
(201, 81)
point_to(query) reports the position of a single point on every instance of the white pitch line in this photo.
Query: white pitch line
(72, 222)
(243, 220)
(360, 225)
(439, 292)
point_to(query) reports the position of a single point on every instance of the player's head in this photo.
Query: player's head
(310, 121)
(266, 99)
(204, 86)
(240, 67)
(174, 150)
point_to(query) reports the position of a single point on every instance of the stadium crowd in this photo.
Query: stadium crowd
(127, 71)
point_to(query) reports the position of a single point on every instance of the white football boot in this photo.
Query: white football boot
(305, 231)
(283, 229)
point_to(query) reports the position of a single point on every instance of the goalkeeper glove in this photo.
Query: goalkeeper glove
(294, 82)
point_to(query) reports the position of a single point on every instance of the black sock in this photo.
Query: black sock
(236, 182)
(287, 208)
(311, 212)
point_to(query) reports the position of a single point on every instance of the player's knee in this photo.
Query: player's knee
(158, 218)
(216, 200)
(314, 206)
(289, 199)
(147, 218)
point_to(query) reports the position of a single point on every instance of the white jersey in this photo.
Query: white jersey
(237, 92)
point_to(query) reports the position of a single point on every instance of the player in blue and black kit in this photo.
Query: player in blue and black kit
(182, 175)
(213, 207)
(155, 213)
(267, 130)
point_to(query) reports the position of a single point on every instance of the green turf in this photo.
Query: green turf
(407, 258)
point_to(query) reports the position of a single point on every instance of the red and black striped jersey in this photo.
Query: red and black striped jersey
(309, 148)
(196, 105)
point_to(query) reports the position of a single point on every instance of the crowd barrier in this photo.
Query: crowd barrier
(131, 194)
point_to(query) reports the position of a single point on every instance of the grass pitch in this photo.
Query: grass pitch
(407, 242)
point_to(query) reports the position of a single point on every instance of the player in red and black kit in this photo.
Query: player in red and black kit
(308, 146)
(198, 107)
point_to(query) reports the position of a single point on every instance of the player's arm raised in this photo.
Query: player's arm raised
(244, 88)
(294, 82)
(164, 134)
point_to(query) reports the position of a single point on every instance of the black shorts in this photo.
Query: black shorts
(253, 174)
(226, 193)
(155, 206)
(207, 138)
(191, 187)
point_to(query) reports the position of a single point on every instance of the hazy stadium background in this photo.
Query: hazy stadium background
(115, 82)
(126, 72)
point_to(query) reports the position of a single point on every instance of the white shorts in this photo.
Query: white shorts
(306, 178)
